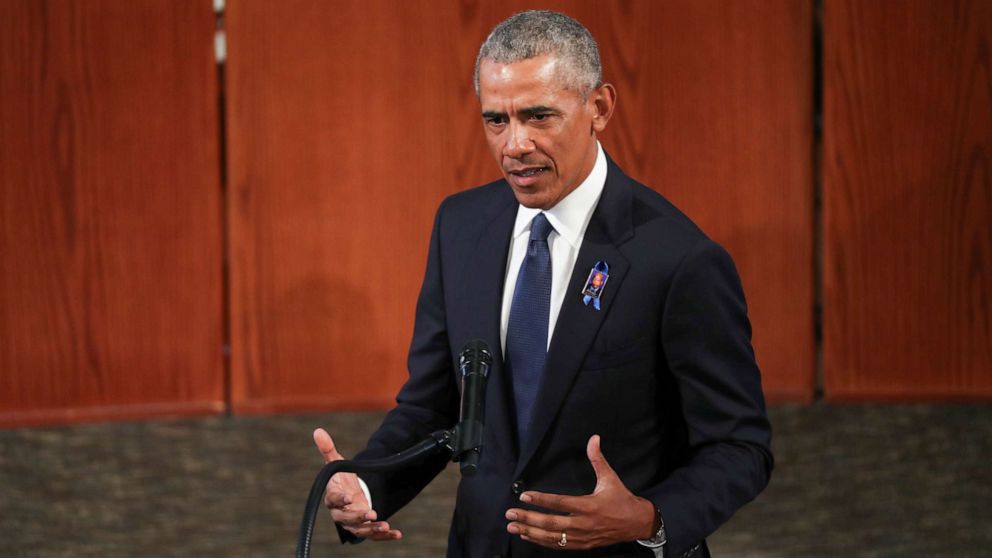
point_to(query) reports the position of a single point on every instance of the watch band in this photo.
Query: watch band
(659, 539)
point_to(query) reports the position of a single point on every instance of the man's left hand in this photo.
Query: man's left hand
(610, 515)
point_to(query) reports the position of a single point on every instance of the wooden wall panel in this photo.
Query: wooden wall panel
(907, 200)
(715, 112)
(110, 287)
(348, 125)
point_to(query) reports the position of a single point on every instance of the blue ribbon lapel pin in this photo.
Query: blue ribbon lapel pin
(595, 284)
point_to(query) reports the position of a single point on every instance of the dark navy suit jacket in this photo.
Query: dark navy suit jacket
(664, 372)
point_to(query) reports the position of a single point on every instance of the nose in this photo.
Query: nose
(518, 141)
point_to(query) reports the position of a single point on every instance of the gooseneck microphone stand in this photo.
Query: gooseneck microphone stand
(464, 441)
(436, 443)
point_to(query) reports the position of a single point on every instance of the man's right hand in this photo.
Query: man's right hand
(346, 500)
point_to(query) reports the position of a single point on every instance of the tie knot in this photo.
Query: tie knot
(540, 228)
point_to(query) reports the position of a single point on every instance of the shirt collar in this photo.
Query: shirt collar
(571, 215)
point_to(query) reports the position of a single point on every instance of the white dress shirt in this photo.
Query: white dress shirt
(569, 217)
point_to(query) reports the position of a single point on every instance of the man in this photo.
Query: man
(624, 413)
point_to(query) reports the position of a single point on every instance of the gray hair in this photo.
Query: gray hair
(533, 33)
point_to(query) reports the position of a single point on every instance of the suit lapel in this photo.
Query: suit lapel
(482, 279)
(482, 295)
(578, 324)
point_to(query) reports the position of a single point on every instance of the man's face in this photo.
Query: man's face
(542, 134)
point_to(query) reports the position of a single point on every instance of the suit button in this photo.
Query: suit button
(517, 486)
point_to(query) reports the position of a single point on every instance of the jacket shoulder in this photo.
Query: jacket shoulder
(476, 197)
(474, 206)
(654, 214)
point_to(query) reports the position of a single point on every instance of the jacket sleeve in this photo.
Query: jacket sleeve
(427, 402)
(706, 339)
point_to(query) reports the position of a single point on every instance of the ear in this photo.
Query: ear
(602, 101)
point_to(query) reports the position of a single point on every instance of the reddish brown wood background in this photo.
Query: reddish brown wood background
(109, 211)
(907, 181)
(715, 111)
(348, 124)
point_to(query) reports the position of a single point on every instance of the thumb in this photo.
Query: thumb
(326, 445)
(598, 461)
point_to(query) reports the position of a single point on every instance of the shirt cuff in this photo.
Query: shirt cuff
(659, 551)
(365, 489)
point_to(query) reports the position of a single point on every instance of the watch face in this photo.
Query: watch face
(659, 538)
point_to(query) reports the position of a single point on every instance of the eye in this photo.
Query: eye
(540, 116)
(495, 120)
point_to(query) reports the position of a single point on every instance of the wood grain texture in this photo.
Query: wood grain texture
(715, 112)
(110, 289)
(349, 125)
(341, 148)
(907, 200)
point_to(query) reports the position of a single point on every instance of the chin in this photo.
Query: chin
(532, 201)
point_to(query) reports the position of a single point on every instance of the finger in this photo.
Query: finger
(598, 460)
(326, 445)
(337, 499)
(556, 502)
(545, 521)
(353, 518)
(389, 535)
(536, 535)
(377, 531)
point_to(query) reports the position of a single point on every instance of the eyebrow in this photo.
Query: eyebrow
(540, 109)
(529, 111)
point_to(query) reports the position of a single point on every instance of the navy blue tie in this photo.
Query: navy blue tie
(527, 330)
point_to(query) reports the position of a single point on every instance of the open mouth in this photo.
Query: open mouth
(527, 173)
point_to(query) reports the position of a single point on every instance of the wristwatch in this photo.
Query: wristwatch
(659, 539)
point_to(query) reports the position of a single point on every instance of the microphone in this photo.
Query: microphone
(474, 366)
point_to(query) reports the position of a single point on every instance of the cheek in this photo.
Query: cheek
(558, 156)
(495, 146)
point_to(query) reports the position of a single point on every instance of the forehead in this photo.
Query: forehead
(523, 82)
